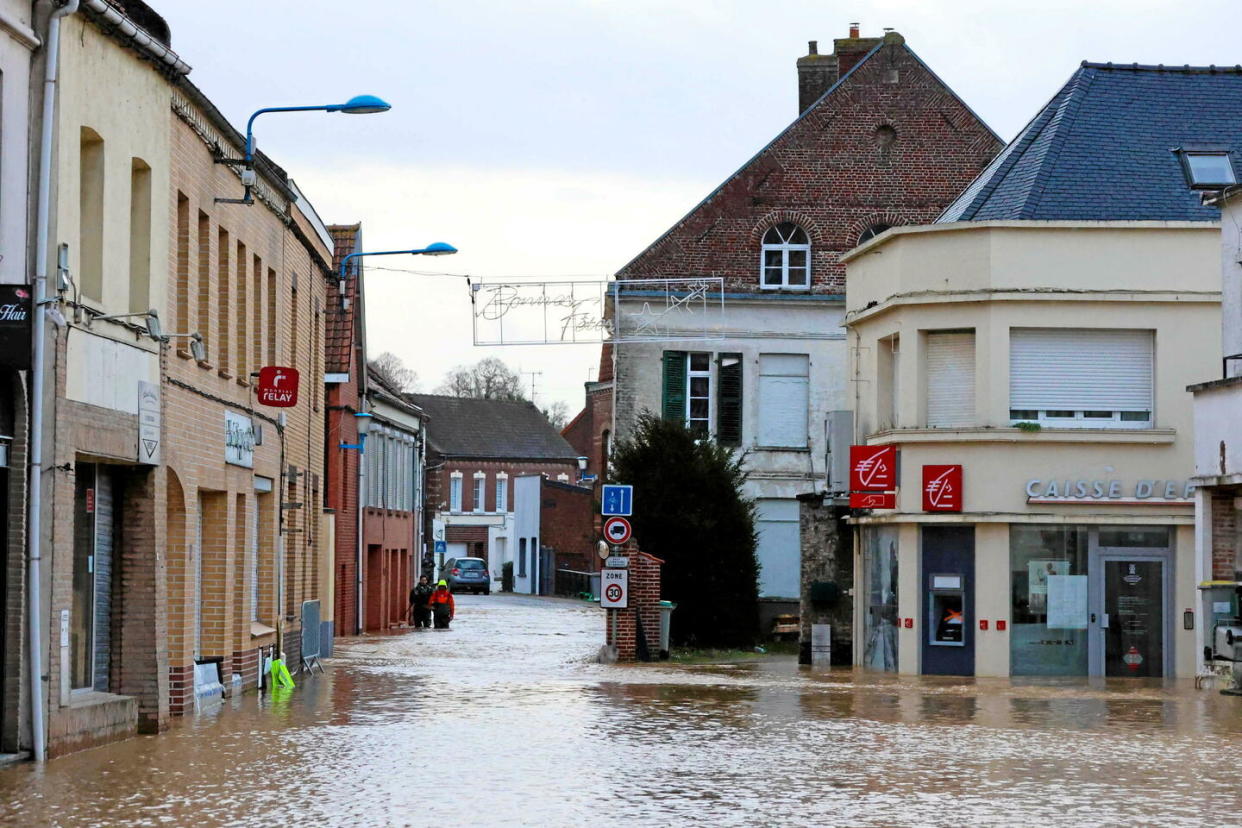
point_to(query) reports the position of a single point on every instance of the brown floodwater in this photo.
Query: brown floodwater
(505, 720)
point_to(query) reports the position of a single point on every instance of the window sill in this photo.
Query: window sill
(1139, 436)
(258, 630)
(224, 373)
(184, 354)
(794, 449)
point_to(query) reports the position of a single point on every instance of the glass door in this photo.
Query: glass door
(1134, 591)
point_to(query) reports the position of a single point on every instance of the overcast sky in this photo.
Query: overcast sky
(553, 138)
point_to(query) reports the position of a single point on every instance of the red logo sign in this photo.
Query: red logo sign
(873, 500)
(873, 468)
(942, 488)
(278, 386)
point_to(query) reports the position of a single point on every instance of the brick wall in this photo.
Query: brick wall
(834, 173)
(1225, 538)
(827, 557)
(621, 626)
(567, 524)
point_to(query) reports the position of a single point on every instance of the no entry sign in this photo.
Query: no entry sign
(614, 588)
(617, 530)
(278, 386)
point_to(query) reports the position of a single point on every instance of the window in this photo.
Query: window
(699, 393)
(784, 399)
(1208, 169)
(224, 297)
(182, 322)
(786, 258)
(950, 379)
(480, 481)
(888, 389)
(455, 492)
(872, 231)
(1075, 378)
(1048, 562)
(502, 492)
(91, 214)
(242, 315)
(204, 275)
(139, 236)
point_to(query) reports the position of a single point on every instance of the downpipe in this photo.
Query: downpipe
(34, 604)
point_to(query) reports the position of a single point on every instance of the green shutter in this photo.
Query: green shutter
(674, 407)
(729, 400)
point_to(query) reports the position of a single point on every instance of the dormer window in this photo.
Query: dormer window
(1208, 169)
(786, 258)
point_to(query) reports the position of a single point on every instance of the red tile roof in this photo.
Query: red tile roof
(340, 323)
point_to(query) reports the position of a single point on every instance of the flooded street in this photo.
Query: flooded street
(504, 720)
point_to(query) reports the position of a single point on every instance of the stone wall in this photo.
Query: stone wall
(827, 576)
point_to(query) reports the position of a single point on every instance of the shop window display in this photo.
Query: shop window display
(880, 550)
(1048, 581)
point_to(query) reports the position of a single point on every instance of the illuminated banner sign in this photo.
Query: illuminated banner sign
(873, 468)
(561, 313)
(942, 488)
(873, 500)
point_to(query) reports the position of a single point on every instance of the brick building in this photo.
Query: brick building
(879, 141)
(590, 433)
(475, 450)
(164, 541)
(554, 523)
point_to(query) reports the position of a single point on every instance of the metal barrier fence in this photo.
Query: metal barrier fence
(576, 584)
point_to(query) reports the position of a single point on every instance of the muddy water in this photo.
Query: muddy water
(504, 721)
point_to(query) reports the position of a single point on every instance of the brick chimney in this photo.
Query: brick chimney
(816, 73)
(850, 50)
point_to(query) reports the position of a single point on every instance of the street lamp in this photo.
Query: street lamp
(357, 105)
(433, 249)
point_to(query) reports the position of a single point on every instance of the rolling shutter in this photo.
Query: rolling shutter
(779, 548)
(674, 407)
(729, 401)
(784, 400)
(1080, 370)
(950, 379)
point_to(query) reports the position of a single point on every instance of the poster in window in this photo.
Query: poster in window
(15, 343)
(1067, 601)
(1038, 572)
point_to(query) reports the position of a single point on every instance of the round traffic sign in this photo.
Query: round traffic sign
(617, 530)
(613, 593)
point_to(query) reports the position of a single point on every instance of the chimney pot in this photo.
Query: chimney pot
(854, 30)
(813, 47)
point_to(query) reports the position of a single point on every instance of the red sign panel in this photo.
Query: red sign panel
(942, 488)
(873, 468)
(278, 386)
(873, 500)
(617, 530)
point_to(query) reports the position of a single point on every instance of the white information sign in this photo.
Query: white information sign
(614, 588)
(1067, 602)
(148, 423)
(238, 440)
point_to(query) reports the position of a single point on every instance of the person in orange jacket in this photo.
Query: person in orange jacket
(442, 606)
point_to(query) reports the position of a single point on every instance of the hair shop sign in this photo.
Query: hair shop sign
(1141, 492)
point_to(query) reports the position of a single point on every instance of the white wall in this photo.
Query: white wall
(527, 490)
(16, 41)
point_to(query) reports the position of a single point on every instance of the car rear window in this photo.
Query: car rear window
(474, 564)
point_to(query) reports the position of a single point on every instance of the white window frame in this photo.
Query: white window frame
(480, 491)
(502, 492)
(455, 486)
(777, 240)
(691, 375)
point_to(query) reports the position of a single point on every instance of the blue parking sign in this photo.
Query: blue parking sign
(617, 500)
(441, 547)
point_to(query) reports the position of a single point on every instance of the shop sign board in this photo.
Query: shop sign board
(278, 386)
(239, 440)
(873, 500)
(614, 588)
(873, 468)
(1141, 492)
(15, 336)
(942, 488)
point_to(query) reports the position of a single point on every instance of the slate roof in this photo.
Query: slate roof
(498, 429)
(338, 337)
(1102, 148)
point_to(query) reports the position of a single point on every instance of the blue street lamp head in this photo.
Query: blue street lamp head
(362, 105)
(439, 249)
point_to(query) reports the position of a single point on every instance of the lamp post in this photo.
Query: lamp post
(433, 249)
(357, 105)
(362, 420)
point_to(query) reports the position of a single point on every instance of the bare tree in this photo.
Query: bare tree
(393, 371)
(557, 414)
(487, 379)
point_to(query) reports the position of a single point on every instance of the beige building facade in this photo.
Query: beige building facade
(1029, 375)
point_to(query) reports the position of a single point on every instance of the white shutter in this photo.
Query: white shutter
(779, 548)
(1080, 370)
(950, 379)
(784, 400)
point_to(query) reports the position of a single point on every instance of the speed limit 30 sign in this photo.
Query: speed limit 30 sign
(614, 588)
(617, 530)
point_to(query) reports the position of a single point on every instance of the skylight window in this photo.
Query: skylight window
(1208, 170)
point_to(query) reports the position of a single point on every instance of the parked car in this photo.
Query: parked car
(467, 575)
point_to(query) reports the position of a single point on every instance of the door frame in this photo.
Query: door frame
(1097, 557)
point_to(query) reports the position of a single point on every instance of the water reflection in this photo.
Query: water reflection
(505, 720)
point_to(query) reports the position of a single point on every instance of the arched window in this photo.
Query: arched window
(786, 258)
(872, 231)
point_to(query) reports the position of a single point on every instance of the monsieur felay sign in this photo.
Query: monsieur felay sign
(15, 326)
(568, 312)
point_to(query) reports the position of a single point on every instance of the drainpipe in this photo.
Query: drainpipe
(361, 500)
(34, 504)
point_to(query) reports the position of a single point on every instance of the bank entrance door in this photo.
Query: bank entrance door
(1130, 605)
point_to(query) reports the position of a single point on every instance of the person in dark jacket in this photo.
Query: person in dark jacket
(420, 603)
(442, 605)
